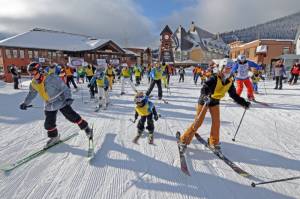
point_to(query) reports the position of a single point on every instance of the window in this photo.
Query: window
(22, 54)
(0, 52)
(30, 54)
(15, 53)
(93, 56)
(54, 55)
(286, 50)
(8, 53)
(58, 55)
(36, 54)
(49, 54)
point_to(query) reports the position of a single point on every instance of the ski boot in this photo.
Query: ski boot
(89, 132)
(52, 141)
(150, 138)
(216, 147)
(122, 93)
(181, 146)
(137, 137)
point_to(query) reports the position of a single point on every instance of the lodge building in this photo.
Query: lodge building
(49, 46)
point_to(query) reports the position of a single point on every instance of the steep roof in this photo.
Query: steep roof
(54, 40)
(166, 29)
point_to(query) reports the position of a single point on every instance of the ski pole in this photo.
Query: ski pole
(253, 184)
(233, 139)
(200, 114)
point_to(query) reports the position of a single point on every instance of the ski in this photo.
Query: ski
(12, 166)
(183, 164)
(91, 152)
(220, 155)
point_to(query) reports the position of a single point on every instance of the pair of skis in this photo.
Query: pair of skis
(218, 153)
(18, 163)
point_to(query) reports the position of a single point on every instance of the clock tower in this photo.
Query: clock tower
(165, 50)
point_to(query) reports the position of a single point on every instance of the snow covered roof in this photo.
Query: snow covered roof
(54, 40)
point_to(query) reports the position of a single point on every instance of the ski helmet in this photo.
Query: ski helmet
(241, 58)
(34, 66)
(140, 98)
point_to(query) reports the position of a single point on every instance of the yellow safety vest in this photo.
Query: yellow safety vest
(109, 71)
(68, 71)
(125, 72)
(221, 89)
(40, 88)
(100, 82)
(89, 71)
(143, 111)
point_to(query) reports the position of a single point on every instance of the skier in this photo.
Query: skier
(255, 77)
(126, 74)
(89, 75)
(242, 68)
(146, 110)
(295, 72)
(181, 73)
(57, 96)
(15, 74)
(213, 90)
(156, 75)
(70, 78)
(53, 69)
(137, 72)
(110, 73)
(102, 83)
(279, 72)
(164, 75)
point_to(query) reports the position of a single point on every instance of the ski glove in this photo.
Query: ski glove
(155, 117)
(23, 106)
(89, 85)
(206, 99)
(247, 105)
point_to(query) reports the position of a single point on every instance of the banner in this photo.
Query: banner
(42, 60)
(115, 61)
(76, 61)
(101, 62)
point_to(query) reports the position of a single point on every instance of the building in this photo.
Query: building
(48, 46)
(262, 50)
(143, 55)
(165, 49)
(197, 45)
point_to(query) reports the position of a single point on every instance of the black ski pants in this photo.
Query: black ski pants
(71, 79)
(69, 113)
(152, 84)
(150, 124)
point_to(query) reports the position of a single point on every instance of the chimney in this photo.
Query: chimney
(192, 27)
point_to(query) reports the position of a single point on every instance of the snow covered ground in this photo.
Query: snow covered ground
(267, 146)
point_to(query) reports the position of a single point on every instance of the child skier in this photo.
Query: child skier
(102, 83)
(156, 76)
(137, 72)
(255, 77)
(147, 111)
(57, 96)
(212, 92)
(126, 74)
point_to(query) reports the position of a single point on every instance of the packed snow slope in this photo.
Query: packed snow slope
(267, 146)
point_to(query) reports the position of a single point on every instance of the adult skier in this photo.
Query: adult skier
(57, 96)
(16, 75)
(241, 68)
(212, 91)
(156, 75)
(110, 73)
(146, 110)
(181, 74)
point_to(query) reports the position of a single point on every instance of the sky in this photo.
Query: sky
(137, 23)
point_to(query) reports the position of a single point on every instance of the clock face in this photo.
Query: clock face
(166, 36)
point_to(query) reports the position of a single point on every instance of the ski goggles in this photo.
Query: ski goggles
(139, 99)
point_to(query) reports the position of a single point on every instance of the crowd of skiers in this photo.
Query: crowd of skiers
(216, 80)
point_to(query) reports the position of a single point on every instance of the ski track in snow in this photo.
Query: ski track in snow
(266, 146)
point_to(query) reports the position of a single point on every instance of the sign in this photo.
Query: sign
(115, 61)
(42, 60)
(101, 62)
(262, 49)
(76, 61)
